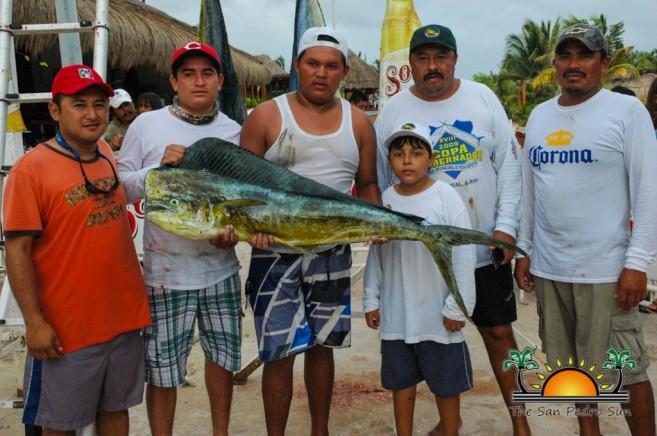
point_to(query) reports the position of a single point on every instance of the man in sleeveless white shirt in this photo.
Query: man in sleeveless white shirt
(301, 302)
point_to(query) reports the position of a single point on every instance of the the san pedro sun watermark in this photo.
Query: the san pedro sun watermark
(570, 382)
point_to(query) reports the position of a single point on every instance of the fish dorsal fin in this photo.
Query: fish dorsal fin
(226, 159)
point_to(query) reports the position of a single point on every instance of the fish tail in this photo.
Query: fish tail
(440, 238)
(459, 236)
(441, 252)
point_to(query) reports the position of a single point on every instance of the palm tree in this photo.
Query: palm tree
(613, 33)
(620, 67)
(618, 361)
(280, 61)
(377, 65)
(525, 55)
(644, 60)
(522, 361)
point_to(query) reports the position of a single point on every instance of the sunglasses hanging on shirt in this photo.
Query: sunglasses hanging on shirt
(93, 189)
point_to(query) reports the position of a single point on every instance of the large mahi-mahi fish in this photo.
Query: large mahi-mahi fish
(219, 183)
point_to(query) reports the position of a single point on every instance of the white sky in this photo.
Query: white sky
(480, 26)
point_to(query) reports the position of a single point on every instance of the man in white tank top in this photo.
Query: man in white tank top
(301, 302)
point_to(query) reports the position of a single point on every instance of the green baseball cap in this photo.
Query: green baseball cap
(433, 34)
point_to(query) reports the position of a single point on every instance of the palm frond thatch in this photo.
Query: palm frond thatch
(276, 70)
(361, 74)
(139, 34)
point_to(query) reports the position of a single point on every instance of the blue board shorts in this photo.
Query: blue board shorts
(300, 300)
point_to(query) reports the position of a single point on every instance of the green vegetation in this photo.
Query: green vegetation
(253, 102)
(527, 78)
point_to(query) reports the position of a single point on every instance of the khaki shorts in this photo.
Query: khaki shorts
(582, 320)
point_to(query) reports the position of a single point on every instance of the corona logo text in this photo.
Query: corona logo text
(540, 156)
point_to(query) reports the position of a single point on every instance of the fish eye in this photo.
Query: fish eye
(174, 202)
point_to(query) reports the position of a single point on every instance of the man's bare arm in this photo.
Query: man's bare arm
(261, 128)
(367, 186)
(42, 341)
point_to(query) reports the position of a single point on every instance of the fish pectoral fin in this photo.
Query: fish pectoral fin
(227, 207)
(242, 202)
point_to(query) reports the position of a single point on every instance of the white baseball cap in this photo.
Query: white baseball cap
(120, 96)
(323, 37)
(420, 131)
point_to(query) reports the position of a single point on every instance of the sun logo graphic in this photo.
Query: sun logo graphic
(571, 383)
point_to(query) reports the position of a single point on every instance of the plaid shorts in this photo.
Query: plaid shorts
(300, 300)
(168, 340)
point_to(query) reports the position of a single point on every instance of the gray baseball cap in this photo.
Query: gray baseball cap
(587, 34)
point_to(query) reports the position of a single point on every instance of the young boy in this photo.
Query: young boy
(406, 297)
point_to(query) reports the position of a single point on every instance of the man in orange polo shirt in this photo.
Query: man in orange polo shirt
(73, 268)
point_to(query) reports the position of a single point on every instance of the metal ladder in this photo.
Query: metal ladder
(68, 29)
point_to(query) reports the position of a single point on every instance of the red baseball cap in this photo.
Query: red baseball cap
(75, 78)
(195, 48)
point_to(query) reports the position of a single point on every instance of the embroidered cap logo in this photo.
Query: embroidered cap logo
(85, 73)
(432, 32)
(193, 46)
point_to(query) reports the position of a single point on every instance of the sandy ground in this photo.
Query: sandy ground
(360, 405)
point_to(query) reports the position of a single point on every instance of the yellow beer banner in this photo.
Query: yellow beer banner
(15, 122)
(399, 22)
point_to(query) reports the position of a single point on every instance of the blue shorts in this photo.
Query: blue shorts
(445, 367)
(300, 300)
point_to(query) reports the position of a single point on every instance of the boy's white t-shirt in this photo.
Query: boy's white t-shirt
(403, 280)
(476, 153)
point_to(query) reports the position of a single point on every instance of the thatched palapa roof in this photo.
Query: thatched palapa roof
(276, 70)
(139, 34)
(361, 74)
(641, 85)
